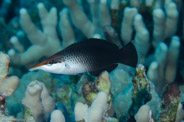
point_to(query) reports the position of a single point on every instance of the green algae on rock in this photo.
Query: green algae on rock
(90, 89)
(170, 102)
(141, 92)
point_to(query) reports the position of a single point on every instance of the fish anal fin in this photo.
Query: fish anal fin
(108, 68)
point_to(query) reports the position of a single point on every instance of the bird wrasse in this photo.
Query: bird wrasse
(92, 55)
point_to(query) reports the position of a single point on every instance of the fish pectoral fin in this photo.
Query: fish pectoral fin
(108, 68)
(67, 66)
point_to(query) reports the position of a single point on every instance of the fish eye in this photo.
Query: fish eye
(49, 64)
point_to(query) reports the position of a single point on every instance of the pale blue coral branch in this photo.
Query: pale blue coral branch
(159, 26)
(172, 19)
(41, 41)
(127, 24)
(67, 32)
(173, 54)
(141, 38)
(105, 18)
(163, 70)
(94, 113)
(165, 23)
(57, 116)
(79, 19)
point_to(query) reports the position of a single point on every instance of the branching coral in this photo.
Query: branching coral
(144, 114)
(57, 116)
(7, 84)
(131, 21)
(150, 25)
(165, 24)
(42, 40)
(37, 101)
(163, 70)
(95, 112)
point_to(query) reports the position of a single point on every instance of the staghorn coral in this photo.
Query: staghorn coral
(95, 27)
(57, 116)
(165, 23)
(37, 101)
(95, 112)
(49, 81)
(144, 114)
(134, 14)
(7, 84)
(42, 41)
(162, 71)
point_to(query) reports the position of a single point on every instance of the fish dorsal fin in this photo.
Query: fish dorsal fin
(103, 42)
(94, 42)
(109, 69)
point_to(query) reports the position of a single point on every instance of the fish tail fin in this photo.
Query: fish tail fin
(128, 55)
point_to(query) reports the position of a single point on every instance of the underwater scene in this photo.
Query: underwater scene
(91, 61)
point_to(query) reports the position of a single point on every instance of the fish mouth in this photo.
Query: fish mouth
(35, 67)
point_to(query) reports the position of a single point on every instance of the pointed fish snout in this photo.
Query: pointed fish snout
(35, 67)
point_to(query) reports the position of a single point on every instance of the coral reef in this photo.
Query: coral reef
(33, 30)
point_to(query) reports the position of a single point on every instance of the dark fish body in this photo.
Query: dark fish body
(89, 56)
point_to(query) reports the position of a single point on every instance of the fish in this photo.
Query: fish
(92, 55)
